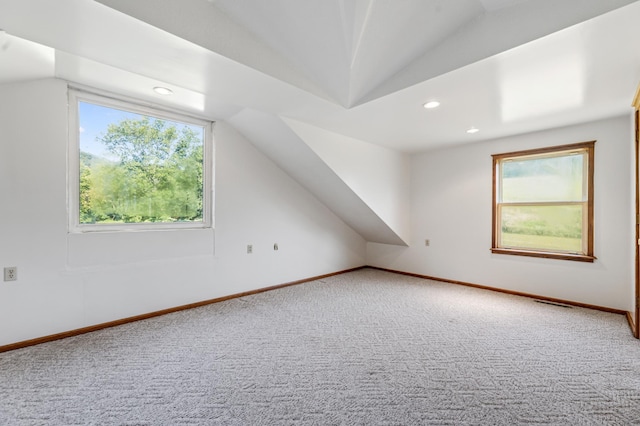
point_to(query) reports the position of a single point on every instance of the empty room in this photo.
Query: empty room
(319, 212)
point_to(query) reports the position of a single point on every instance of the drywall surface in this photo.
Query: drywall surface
(451, 206)
(68, 281)
(275, 139)
(378, 175)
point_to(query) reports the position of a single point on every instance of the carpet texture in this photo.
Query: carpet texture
(362, 348)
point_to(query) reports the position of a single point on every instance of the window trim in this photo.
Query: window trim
(588, 256)
(77, 95)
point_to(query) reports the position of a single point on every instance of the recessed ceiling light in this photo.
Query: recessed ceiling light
(432, 104)
(473, 130)
(162, 90)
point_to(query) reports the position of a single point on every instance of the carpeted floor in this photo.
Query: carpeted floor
(363, 348)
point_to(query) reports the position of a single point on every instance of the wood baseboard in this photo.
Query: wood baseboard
(96, 327)
(89, 329)
(515, 293)
(633, 325)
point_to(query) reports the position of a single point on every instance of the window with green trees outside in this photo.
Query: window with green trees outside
(543, 202)
(136, 167)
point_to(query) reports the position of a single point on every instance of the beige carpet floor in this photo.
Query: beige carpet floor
(362, 348)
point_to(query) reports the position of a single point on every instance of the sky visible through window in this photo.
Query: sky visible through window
(94, 122)
(136, 167)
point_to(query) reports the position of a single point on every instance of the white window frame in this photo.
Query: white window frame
(77, 95)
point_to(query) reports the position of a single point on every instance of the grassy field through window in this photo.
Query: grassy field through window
(556, 228)
(543, 201)
(573, 245)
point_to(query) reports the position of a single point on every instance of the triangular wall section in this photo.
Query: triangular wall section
(379, 176)
(276, 139)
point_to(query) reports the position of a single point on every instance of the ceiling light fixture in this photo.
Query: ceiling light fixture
(473, 130)
(432, 104)
(162, 90)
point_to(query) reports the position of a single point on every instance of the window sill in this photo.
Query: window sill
(544, 254)
(137, 227)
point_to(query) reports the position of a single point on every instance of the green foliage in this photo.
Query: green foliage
(543, 227)
(552, 221)
(544, 242)
(547, 201)
(158, 177)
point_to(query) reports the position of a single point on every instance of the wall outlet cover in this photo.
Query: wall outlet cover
(10, 273)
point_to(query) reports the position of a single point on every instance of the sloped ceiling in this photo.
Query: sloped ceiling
(351, 47)
(358, 68)
(271, 135)
(354, 51)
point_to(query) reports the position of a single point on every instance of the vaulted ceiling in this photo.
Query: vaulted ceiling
(362, 68)
(359, 50)
(349, 48)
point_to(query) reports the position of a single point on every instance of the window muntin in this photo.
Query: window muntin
(134, 167)
(543, 202)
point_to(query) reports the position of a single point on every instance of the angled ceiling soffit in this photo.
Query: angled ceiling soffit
(505, 25)
(204, 24)
(277, 141)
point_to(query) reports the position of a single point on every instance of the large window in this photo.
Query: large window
(136, 167)
(543, 202)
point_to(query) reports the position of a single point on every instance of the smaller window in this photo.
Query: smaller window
(543, 202)
(134, 167)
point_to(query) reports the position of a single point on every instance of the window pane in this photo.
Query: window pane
(554, 228)
(543, 179)
(136, 168)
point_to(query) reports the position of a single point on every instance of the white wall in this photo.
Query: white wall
(378, 175)
(67, 281)
(451, 206)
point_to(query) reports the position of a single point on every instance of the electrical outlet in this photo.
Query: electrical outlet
(11, 273)
(275, 246)
(249, 248)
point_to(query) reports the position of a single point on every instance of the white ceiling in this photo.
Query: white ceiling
(362, 68)
(350, 47)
